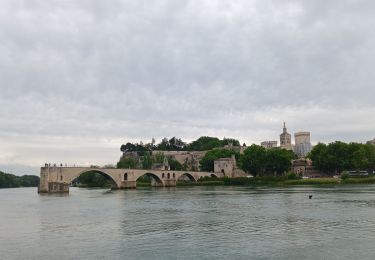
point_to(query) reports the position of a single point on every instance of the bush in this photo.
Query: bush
(292, 176)
(344, 176)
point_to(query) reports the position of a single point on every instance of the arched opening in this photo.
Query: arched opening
(213, 176)
(186, 178)
(125, 176)
(149, 179)
(168, 175)
(94, 179)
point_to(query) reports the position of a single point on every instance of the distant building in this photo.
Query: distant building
(286, 139)
(302, 143)
(304, 168)
(269, 144)
(371, 142)
(228, 167)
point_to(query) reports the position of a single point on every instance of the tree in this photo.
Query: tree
(159, 157)
(253, 160)
(317, 155)
(175, 165)
(278, 161)
(338, 156)
(147, 161)
(126, 163)
(204, 143)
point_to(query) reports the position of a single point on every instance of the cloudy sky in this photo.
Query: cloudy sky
(79, 78)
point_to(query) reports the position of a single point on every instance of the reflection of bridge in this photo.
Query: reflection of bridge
(58, 179)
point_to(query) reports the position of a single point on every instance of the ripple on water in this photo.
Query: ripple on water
(190, 223)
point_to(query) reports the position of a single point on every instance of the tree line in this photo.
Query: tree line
(12, 181)
(203, 143)
(337, 157)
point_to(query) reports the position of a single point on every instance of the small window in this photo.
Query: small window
(61, 178)
(125, 177)
(168, 175)
(174, 175)
(162, 175)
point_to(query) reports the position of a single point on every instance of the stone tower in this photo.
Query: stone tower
(286, 139)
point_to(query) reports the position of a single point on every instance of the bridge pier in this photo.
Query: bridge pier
(128, 185)
(170, 183)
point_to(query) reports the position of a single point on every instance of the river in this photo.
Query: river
(189, 223)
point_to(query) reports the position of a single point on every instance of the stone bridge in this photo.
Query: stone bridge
(58, 179)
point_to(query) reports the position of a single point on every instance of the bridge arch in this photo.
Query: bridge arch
(113, 182)
(158, 181)
(186, 174)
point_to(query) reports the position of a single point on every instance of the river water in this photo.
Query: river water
(189, 223)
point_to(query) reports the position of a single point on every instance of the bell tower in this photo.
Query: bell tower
(285, 139)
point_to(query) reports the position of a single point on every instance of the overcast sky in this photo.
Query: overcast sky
(79, 78)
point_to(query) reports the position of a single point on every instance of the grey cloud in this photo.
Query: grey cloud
(131, 70)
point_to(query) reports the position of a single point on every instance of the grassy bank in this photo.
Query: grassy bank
(365, 180)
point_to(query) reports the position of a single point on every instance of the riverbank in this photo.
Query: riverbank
(277, 181)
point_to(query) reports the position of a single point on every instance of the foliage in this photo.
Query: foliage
(93, 179)
(344, 175)
(253, 160)
(207, 162)
(129, 147)
(203, 143)
(12, 181)
(206, 143)
(338, 156)
(259, 161)
(126, 163)
(176, 165)
(173, 144)
(292, 176)
(147, 161)
(158, 157)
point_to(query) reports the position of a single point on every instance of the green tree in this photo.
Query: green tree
(127, 163)
(278, 161)
(147, 161)
(317, 155)
(175, 165)
(253, 160)
(338, 156)
(204, 143)
(159, 157)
